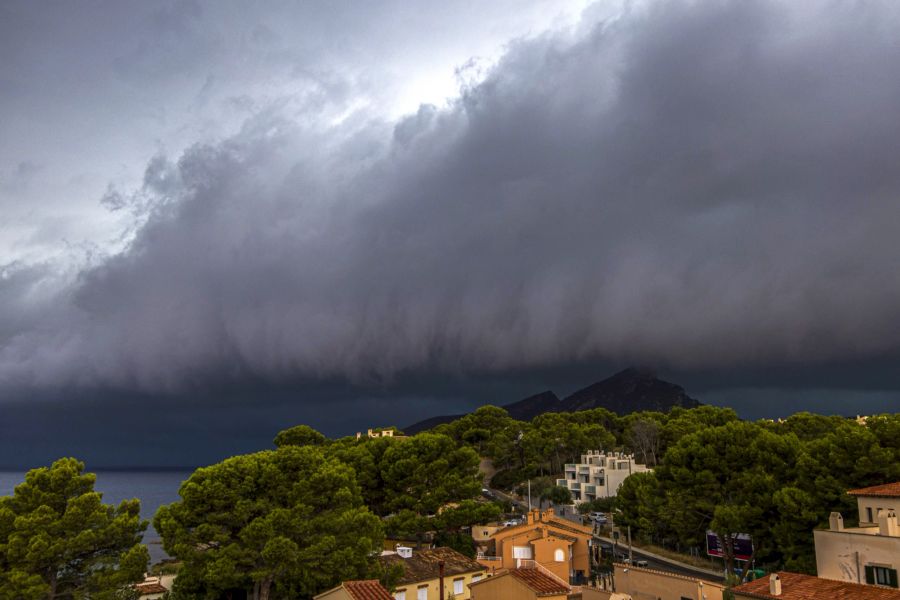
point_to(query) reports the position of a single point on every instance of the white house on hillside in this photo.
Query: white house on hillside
(599, 475)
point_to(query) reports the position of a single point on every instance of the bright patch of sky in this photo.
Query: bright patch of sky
(87, 102)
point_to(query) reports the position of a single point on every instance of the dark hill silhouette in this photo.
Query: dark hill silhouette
(627, 391)
(530, 407)
(630, 391)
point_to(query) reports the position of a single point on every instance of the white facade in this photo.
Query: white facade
(599, 475)
(869, 554)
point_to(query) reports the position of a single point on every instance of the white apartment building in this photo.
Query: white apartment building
(870, 553)
(599, 474)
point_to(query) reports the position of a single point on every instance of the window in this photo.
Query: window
(522, 552)
(869, 514)
(457, 587)
(400, 594)
(559, 555)
(476, 578)
(422, 593)
(881, 576)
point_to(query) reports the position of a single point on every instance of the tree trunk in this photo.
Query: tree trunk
(52, 593)
(265, 587)
(729, 555)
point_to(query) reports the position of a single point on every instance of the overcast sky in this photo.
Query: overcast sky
(218, 219)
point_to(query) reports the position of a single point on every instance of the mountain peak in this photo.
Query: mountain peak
(631, 390)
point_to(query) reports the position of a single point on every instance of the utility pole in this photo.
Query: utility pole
(630, 556)
(529, 495)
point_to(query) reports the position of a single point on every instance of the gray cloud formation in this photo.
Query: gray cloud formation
(694, 184)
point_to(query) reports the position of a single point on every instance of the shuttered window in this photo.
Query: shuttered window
(422, 593)
(881, 576)
(522, 552)
(457, 587)
(400, 595)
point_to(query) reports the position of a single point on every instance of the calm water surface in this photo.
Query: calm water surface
(152, 488)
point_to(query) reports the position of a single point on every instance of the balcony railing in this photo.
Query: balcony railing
(485, 557)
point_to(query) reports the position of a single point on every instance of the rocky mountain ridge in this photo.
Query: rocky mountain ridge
(627, 391)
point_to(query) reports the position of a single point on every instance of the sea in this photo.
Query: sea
(152, 487)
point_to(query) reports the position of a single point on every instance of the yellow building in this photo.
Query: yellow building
(422, 569)
(368, 589)
(521, 584)
(868, 554)
(557, 544)
(649, 584)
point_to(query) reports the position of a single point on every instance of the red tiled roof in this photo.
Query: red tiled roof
(368, 589)
(540, 582)
(425, 564)
(795, 586)
(150, 588)
(887, 490)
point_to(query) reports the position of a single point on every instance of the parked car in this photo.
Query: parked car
(599, 518)
(488, 493)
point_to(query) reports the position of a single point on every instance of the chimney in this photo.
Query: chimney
(774, 584)
(531, 516)
(887, 523)
(836, 521)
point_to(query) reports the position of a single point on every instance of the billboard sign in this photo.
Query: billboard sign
(743, 545)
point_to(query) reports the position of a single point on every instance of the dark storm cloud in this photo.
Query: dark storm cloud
(698, 185)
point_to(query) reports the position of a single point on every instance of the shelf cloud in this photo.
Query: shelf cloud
(700, 185)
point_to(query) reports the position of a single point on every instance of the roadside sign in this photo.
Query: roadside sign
(743, 545)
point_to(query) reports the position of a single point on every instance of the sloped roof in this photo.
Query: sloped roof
(540, 582)
(367, 589)
(551, 521)
(150, 588)
(423, 564)
(886, 490)
(795, 586)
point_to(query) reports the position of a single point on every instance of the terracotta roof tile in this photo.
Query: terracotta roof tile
(368, 589)
(795, 586)
(540, 582)
(150, 588)
(423, 564)
(887, 490)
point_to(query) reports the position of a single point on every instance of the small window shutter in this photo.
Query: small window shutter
(892, 577)
(870, 575)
